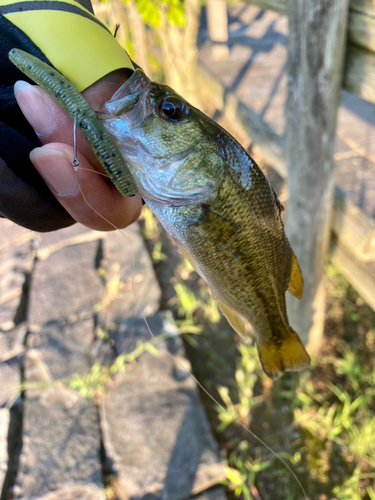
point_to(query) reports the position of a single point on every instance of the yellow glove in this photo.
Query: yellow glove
(53, 26)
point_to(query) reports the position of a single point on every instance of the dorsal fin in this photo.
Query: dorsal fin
(296, 280)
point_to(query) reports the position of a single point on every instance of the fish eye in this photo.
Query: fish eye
(171, 108)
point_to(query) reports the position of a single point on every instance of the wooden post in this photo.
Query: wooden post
(317, 35)
(217, 19)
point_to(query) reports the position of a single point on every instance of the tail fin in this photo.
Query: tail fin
(289, 356)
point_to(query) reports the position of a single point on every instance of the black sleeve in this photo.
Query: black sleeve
(24, 197)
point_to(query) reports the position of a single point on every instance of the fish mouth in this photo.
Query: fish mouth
(130, 97)
(137, 98)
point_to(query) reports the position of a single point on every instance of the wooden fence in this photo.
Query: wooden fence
(320, 63)
(359, 73)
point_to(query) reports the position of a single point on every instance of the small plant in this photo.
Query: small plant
(210, 307)
(112, 290)
(242, 471)
(351, 489)
(157, 255)
(246, 378)
(91, 385)
(350, 366)
(341, 418)
(151, 229)
(185, 269)
(188, 302)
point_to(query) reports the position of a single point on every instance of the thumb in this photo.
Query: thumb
(51, 123)
(84, 193)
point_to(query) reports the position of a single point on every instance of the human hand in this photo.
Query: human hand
(84, 194)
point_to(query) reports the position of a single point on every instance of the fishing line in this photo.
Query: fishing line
(138, 306)
(47, 79)
(75, 161)
(91, 170)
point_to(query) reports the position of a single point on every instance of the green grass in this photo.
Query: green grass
(93, 385)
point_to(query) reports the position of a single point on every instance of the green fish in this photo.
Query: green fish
(219, 208)
(210, 196)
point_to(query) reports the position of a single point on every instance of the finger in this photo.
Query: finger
(84, 193)
(50, 122)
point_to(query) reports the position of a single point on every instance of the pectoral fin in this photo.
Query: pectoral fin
(234, 319)
(296, 279)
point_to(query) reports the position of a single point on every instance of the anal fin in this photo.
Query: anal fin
(296, 280)
(234, 319)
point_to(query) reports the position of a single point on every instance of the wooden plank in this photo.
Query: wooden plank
(361, 30)
(139, 36)
(360, 72)
(217, 19)
(354, 230)
(315, 72)
(360, 275)
(275, 5)
(364, 6)
(272, 145)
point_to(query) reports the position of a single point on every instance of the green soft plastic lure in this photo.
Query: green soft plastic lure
(77, 107)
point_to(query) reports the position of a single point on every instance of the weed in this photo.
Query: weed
(245, 378)
(151, 229)
(241, 470)
(188, 303)
(340, 420)
(91, 385)
(209, 306)
(157, 255)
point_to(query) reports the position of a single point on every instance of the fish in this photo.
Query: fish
(206, 191)
(217, 206)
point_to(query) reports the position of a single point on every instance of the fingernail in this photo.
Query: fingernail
(56, 170)
(34, 107)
